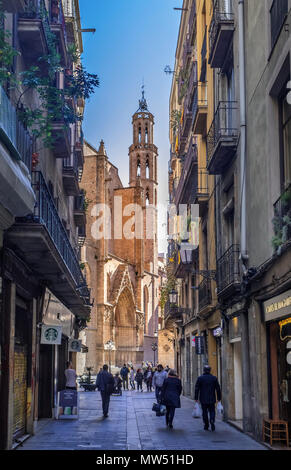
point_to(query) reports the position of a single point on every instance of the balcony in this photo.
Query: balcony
(79, 144)
(220, 34)
(222, 138)
(205, 297)
(12, 133)
(199, 110)
(14, 6)
(278, 12)
(71, 175)
(228, 272)
(33, 28)
(175, 312)
(81, 235)
(46, 248)
(282, 216)
(187, 53)
(192, 23)
(202, 193)
(16, 193)
(203, 57)
(61, 134)
(58, 27)
(188, 180)
(80, 210)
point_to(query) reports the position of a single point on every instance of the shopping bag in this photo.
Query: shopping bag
(219, 409)
(163, 410)
(196, 413)
(156, 407)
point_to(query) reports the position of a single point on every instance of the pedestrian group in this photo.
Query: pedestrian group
(168, 388)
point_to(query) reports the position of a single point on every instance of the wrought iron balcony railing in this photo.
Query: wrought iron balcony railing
(191, 158)
(278, 12)
(192, 19)
(199, 104)
(14, 135)
(36, 9)
(282, 217)
(46, 214)
(222, 137)
(205, 296)
(203, 57)
(220, 32)
(228, 269)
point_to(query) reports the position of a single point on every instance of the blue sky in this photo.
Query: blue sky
(134, 40)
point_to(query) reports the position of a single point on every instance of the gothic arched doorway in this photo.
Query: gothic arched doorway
(125, 329)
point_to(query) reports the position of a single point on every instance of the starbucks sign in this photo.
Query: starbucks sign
(51, 334)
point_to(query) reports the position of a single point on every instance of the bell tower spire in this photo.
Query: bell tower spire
(143, 153)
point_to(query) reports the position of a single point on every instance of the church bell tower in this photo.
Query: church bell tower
(143, 171)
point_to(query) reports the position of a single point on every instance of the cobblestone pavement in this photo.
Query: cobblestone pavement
(133, 425)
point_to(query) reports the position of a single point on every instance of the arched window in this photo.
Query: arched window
(147, 196)
(139, 134)
(146, 135)
(147, 168)
(138, 167)
(145, 307)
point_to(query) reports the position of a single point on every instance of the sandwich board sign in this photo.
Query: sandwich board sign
(68, 405)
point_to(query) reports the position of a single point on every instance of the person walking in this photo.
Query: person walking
(205, 388)
(170, 396)
(139, 379)
(158, 379)
(105, 385)
(117, 384)
(148, 377)
(131, 378)
(71, 377)
(124, 375)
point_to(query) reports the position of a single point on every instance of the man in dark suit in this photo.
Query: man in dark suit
(105, 385)
(205, 388)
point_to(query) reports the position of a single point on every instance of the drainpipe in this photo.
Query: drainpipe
(245, 350)
(242, 93)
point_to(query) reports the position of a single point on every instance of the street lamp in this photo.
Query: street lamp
(154, 348)
(109, 346)
(186, 252)
(173, 296)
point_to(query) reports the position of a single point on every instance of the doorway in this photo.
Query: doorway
(237, 369)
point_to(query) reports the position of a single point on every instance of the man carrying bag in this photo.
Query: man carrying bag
(206, 389)
(105, 385)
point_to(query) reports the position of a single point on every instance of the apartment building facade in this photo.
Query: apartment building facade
(43, 287)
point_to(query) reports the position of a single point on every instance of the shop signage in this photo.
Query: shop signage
(75, 345)
(217, 332)
(193, 341)
(285, 329)
(51, 334)
(67, 404)
(199, 345)
(277, 306)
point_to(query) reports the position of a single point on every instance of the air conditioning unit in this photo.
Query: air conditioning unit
(14, 6)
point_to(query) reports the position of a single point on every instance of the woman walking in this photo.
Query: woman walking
(148, 378)
(139, 379)
(170, 396)
(71, 377)
(131, 378)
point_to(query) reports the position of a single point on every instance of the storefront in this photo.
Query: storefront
(54, 352)
(277, 315)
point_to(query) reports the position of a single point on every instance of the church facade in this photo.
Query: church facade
(120, 255)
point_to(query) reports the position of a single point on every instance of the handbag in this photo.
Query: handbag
(156, 407)
(196, 413)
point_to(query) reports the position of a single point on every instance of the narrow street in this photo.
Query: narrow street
(132, 425)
